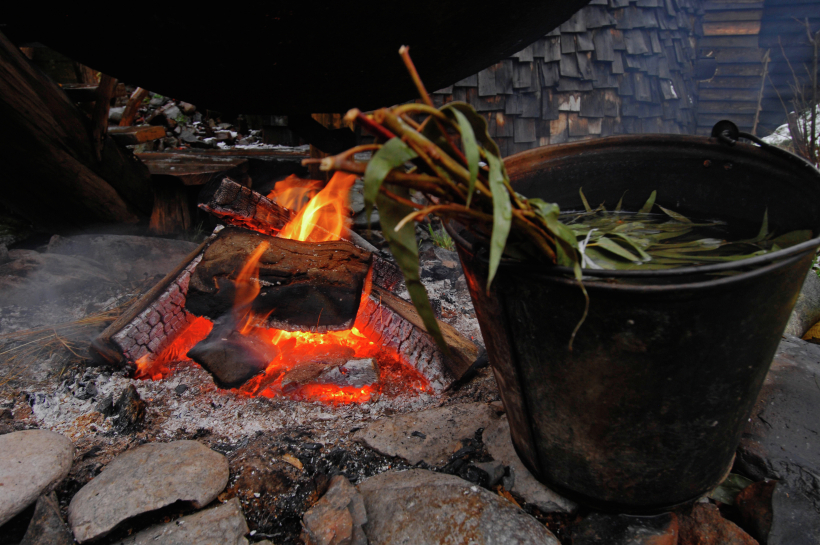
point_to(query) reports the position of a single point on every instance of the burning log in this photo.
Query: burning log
(390, 320)
(312, 287)
(239, 206)
(242, 207)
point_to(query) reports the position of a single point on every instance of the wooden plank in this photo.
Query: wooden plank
(192, 169)
(739, 70)
(734, 95)
(708, 119)
(732, 28)
(131, 136)
(727, 107)
(99, 118)
(132, 107)
(731, 6)
(748, 42)
(734, 55)
(727, 82)
(742, 15)
(87, 92)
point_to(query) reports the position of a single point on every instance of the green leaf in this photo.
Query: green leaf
(728, 490)
(764, 228)
(584, 199)
(502, 215)
(612, 246)
(404, 247)
(392, 155)
(647, 208)
(477, 121)
(620, 202)
(634, 245)
(566, 239)
(792, 238)
(471, 151)
(675, 215)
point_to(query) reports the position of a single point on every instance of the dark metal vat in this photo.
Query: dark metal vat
(289, 57)
(647, 410)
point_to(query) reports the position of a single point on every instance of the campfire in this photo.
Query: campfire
(282, 303)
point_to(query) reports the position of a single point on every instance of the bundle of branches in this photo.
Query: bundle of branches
(448, 156)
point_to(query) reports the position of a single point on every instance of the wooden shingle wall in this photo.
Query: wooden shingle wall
(730, 35)
(615, 67)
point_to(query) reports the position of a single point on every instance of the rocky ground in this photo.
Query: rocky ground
(90, 454)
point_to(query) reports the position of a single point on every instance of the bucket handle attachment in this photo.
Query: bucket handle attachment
(727, 133)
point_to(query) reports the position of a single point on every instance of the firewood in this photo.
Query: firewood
(134, 102)
(311, 287)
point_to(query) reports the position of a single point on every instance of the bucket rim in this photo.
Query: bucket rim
(566, 272)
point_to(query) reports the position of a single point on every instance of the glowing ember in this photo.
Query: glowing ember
(322, 219)
(158, 367)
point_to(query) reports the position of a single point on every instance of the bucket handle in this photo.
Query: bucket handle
(728, 133)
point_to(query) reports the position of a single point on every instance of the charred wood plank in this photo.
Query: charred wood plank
(304, 286)
(99, 119)
(131, 136)
(391, 320)
(53, 176)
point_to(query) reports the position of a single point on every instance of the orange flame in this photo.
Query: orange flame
(294, 192)
(325, 216)
(247, 288)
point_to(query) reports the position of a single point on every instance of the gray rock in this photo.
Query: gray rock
(143, 479)
(32, 463)
(115, 114)
(356, 197)
(421, 507)
(4, 254)
(499, 445)
(337, 518)
(494, 471)
(127, 257)
(440, 432)
(222, 525)
(781, 440)
(47, 526)
(806, 311)
(187, 108)
(795, 519)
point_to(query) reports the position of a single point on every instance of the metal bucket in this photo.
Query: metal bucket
(647, 409)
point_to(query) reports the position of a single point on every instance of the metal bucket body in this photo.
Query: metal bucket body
(647, 409)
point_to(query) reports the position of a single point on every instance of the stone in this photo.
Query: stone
(499, 445)
(423, 507)
(806, 311)
(337, 518)
(704, 526)
(115, 114)
(781, 440)
(440, 432)
(776, 514)
(47, 526)
(32, 463)
(127, 257)
(603, 529)
(222, 525)
(755, 506)
(494, 471)
(144, 479)
(187, 108)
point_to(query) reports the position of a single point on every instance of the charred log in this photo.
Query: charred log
(239, 206)
(231, 357)
(242, 207)
(311, 287)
